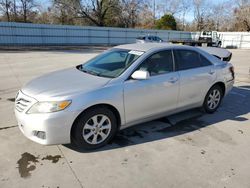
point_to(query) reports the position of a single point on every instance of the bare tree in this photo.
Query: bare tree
(171, 6)
(222, 15)
(62, 13)
(148, 20)
(26, 8)
(129, 12)
(15, 10)
(229, 15)
(242, 15)
(243, 18)
(241, 3)
(93, 10)
(5, 6)
(185, 7)
(177, 8)
(200, 13)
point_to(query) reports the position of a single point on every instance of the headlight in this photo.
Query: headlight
(47, 107)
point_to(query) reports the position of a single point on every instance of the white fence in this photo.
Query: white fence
(23, 34)
(236, 39)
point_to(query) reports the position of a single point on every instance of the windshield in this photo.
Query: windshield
(110, 64)
(208, 33)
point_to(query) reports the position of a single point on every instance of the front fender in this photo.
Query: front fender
(111, 95)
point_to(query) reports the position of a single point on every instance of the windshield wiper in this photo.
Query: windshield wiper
(90, 72)
(93, 72)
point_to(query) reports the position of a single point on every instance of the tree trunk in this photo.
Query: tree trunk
(247, 24)
(15, 10)
(7, 10)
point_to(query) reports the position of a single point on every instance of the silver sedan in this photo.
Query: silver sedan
(126, 85)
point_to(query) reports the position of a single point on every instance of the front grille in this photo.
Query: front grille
(23, 102)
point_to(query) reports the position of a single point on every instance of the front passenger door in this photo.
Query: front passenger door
(155, 95)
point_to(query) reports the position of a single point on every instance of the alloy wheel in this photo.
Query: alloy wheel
(96, 129)
(214, 99)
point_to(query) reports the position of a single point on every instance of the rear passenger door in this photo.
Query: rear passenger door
(196, 76)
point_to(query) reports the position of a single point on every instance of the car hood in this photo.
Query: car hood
(63, 83)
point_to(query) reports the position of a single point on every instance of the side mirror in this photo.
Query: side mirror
(140, 75)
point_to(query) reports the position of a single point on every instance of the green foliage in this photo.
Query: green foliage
(166, 22)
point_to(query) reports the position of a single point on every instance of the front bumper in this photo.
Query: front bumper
(54, 127)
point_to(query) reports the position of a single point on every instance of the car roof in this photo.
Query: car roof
(152, 46)
(146, 46)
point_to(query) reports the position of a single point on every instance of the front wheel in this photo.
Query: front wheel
(213, 99)
(94, 128)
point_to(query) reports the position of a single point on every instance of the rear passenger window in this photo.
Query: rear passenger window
(187, 59)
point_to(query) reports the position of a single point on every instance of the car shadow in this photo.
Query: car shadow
(245, 87)
(234, 106)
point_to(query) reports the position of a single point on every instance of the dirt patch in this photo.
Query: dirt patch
(54, 159)
(203, 152)
(26, 164)
(125, 161)
(240, 131)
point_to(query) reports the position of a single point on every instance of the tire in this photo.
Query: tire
(213, 99)
(94, 128)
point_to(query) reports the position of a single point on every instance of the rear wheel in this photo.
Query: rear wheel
(94, 128)
(213, 99)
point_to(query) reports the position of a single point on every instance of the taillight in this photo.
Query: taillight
(231, 69)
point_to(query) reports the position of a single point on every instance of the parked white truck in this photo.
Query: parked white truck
(206, 38)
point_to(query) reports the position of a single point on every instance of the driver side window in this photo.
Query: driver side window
(158, 63)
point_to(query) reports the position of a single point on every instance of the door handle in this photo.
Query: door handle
(211, 71)
(173, 80)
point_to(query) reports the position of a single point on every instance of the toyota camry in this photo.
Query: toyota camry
(123, 86)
